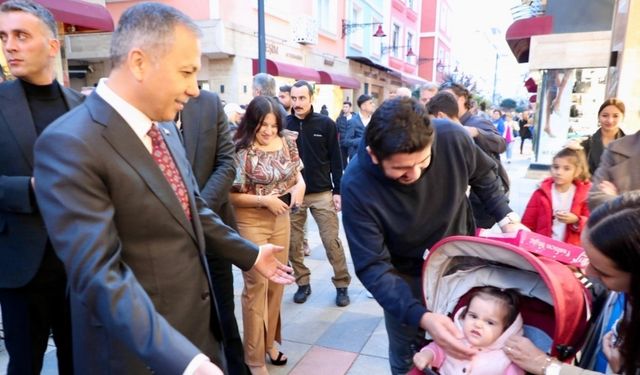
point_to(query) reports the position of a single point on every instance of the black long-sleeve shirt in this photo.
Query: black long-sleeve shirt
(320, 151)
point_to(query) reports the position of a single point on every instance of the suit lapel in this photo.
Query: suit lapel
(191, 130)
(17, 115)
(172, 139)
(72, 98)
(127, 144)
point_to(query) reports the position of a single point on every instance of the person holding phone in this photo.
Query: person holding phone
(268, 186)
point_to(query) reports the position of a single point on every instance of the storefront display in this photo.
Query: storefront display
(567, 108)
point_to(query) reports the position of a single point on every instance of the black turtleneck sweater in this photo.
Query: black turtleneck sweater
(45, 102)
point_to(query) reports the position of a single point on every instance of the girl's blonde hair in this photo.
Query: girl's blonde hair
(579, 160)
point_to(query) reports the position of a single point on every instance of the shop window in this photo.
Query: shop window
(326, 12)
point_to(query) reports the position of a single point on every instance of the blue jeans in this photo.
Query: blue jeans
(404, 340)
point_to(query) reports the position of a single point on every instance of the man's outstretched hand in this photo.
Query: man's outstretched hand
(271, 268)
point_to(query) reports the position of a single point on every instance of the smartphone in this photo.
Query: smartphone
(286, 198)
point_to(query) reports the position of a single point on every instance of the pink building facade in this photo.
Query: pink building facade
(403, 37)
(435, 40)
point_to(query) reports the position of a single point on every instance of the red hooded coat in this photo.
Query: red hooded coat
(538, 216)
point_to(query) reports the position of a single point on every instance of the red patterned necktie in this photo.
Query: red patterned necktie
(165, 161)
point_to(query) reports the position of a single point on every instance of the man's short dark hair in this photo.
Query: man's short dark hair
(363, 99)
(347, 103)
(443, 102)
(285, 88)
(303, 83)
(33, 8)
(400, 125)
(459, 91)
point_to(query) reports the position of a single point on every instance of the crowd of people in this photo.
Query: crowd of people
(150, 189)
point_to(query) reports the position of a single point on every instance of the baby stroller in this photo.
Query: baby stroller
(554, 304)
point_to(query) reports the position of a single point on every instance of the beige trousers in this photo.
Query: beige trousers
(261, 298)
(326, 216)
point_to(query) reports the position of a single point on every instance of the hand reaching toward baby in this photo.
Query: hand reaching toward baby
(422, 359)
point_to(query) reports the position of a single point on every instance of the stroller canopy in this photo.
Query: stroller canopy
(554, 301)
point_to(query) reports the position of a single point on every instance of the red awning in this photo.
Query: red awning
(79, 13)
(339, 80)
(519, 34)
(287, 70)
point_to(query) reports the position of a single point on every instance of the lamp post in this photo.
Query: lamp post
(347, 28)
(385, 49)
(262, 43)
(495, 79)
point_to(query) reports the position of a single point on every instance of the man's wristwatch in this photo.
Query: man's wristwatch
(511, 218)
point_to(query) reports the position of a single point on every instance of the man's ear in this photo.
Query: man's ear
(54, 47)
(138, 61)
(374, 159)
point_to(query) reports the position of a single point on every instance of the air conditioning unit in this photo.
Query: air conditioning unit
(305, 30)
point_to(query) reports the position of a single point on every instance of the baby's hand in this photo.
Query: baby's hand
(422, 359)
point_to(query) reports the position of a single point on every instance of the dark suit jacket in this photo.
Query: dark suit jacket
(210, 150)
(22, 233)
(140, 292)
(355, 131)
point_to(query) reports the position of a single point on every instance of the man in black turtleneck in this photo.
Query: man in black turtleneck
(32, 278)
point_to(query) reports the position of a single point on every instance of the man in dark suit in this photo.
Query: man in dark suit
(32, 278)
(125, 215)
(210, 151)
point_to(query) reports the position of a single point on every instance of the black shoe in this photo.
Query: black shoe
(342, 297)
(281, 360)
(301, 295)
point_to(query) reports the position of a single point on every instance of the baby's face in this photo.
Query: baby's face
(483, 323)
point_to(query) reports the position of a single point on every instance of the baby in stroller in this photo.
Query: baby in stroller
(552, 305)
(490, 318)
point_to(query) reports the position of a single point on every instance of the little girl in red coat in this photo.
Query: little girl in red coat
(558, 208)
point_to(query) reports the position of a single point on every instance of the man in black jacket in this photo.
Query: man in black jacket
(487, 137)
(32, 278)
(406, 190)
(342, 122)
(318, 146)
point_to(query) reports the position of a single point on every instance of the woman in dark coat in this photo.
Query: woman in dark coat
(610, 114)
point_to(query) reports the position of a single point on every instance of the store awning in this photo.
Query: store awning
(288, 70)
(339, 80)
(367, 61)
(412, 80)
(519, 34)
(81, 14)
